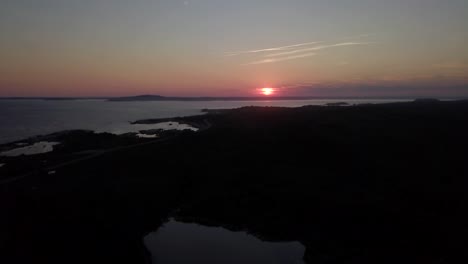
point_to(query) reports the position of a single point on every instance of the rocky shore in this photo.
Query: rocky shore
(356, 184)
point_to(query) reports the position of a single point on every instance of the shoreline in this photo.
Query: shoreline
(376, 183)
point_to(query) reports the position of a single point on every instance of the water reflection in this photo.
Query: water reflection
(181, 243)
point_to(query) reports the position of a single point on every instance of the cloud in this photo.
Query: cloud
(456, 69)
(380, 87)
(451, 65)
(291, 52)
(282, 59)
(317, 48)
(235, 53)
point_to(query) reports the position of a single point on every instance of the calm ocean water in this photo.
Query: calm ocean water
(20, 119)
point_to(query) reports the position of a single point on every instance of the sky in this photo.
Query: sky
(324, 48)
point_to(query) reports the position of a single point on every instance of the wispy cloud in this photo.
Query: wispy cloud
(292, 52)
(235, 53)
(282, 59)
(317, 48)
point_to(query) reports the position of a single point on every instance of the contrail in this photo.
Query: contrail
(316, 48)
(234, 53)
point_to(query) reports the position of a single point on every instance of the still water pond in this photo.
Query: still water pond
(181, 243)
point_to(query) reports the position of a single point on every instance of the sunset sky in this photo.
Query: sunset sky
(323, 48)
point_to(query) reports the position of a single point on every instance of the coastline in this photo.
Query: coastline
(349, 182)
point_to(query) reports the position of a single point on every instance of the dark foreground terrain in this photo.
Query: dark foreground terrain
(358, 184)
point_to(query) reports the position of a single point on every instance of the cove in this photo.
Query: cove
(182, 243)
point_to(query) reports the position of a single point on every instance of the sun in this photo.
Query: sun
(268, 91)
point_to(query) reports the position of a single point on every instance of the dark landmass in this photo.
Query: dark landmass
(338, 104)
(358, 184)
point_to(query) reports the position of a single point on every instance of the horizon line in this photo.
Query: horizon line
(266, 98)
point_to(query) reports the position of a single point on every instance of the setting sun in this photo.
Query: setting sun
(268, 91)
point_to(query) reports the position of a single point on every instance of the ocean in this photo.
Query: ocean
(20, 119)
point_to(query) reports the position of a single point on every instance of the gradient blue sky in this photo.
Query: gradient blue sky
(232, 48)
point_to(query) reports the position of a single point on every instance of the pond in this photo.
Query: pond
(182, 243)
